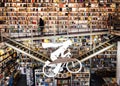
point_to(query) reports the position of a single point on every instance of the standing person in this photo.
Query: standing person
(41, 25)
(11, 80)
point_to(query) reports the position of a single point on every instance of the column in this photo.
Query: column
(118, 63)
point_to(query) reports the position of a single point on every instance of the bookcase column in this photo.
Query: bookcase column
(118, 63)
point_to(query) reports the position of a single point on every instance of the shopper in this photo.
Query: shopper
(41, 25)
(11, 80)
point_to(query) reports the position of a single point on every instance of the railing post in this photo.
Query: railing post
(1, 36)
(118, 63)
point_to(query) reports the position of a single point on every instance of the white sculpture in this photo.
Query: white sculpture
(60, 52)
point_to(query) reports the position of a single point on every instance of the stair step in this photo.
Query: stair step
(105, 45)
(108, 43)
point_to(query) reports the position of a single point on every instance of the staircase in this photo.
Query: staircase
(25, 50)
(42, 58)
(95, 51)
(99, 49)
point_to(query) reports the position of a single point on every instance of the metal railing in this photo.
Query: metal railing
(16, 45)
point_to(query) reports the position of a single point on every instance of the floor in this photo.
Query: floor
(96, 81)
(22, 81)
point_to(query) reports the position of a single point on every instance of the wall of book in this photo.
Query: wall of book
(42, 80)
(63, 78)
(116, 18)
(104, 64)
(2, 15)
(26, 62)
(8, 66)
(60, 16)
(81, 78)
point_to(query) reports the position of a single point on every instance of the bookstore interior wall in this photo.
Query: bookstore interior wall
(8, 65)
(103, 62)
(60, 16)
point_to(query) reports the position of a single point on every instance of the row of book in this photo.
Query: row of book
(81, 1)
(62, 5)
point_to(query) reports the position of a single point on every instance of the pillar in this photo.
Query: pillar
(118, 63)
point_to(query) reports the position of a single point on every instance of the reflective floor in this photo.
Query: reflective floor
(22, 81)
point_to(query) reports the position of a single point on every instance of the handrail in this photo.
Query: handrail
(26, 47)
(31, 56)
(98, 52)
(103, 43)
(98, 46)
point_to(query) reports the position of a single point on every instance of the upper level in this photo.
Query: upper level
(60, 16)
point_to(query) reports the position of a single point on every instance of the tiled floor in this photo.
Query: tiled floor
(96, 80)
(22, 81)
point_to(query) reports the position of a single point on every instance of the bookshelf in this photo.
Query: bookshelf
(8, 66)
(2, 15)
(60, 16)
(70, 79)
(42, 80)
(104, 64)
(64, 81)
(116, 17)
(81, 79)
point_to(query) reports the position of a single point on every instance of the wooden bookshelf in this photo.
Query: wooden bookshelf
(8, 65)
(60, 16)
